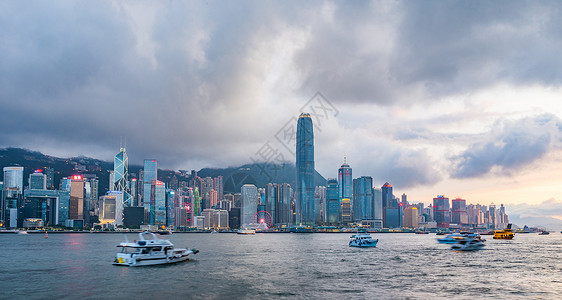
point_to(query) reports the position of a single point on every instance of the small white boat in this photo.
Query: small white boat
(362, 240)
(452, 238)
(468, 244)
(150, 250)
(21, 232)
(246, 231)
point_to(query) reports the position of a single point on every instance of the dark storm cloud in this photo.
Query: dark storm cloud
(71, 72)
(431, 49)
(510, 145)
(79, 75)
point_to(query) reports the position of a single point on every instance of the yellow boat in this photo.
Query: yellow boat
(505, 234)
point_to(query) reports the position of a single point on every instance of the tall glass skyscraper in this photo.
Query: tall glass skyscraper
(150, 173)
(304, 206)
(363, 199)
(333, 206)
(121, 175)
(249, 204)
(345, 182)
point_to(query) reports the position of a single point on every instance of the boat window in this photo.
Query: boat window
(129, 250)
(156, 249)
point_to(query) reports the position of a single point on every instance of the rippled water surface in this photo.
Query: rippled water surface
(297, 266)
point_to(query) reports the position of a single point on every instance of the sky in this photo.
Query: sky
(454, 98)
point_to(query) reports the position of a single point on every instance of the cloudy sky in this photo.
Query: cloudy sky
(456, 98)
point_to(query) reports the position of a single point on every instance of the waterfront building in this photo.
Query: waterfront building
(13, 179)
(172, 201)
(220, 219)
(392, 209)
(345, 184)
(45, 205)
(133, 217)
(492, 220)
(377, 207)
(442, 211)
(37, 180)
(363, 199)
(76, 205)
(208, 214)
(234, 218)
(50, 174)
(213, 198)
(150, 173)
(283, 205)
(158, 203)
(181, 217)
(458, 212)
(304, 206)
(271, 195)
(249, 204)
(411, 217)
(121, 176)
(319, 203)
(333, 206)
(111, 180)
(218, 186)
(107, 209)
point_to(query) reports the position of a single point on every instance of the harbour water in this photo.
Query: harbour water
(295, 266)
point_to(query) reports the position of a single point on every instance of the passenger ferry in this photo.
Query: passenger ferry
(362, 240)
(505, 234)
(150, 250)
(246, 231)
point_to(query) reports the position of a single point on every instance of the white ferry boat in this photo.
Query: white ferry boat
(246, 231)
(150, 250)
(362, 240)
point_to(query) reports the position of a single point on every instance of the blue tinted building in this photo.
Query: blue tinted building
(158, 203)
(345, 183)
(150, 173)
(363, 198)
(304, 206)
(332, 202)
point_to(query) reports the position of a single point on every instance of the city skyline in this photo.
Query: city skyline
(466, 105)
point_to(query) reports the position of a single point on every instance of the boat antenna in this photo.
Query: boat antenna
(126, 238)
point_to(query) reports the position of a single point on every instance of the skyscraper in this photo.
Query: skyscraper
(442, 211)
(249, 204)
(345, 181)
(333, 206)
(363, 198)
(76, 205)
(150, 173)
(458, 212)
(304, 206)
(121, 175)
(37, 181)
(13, 179)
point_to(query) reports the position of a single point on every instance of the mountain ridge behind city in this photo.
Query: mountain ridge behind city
(233, 177)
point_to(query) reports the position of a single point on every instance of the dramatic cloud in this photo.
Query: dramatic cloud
(510, 145)
(204, 83)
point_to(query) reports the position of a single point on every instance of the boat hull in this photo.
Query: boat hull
(150, 260)
(363, 244)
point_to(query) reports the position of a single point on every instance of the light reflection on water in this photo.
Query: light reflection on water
(232, 266)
